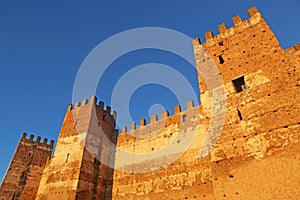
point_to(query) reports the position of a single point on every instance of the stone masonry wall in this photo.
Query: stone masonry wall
(23, 176)
(256, 155)
(75, 170)
(171, 181)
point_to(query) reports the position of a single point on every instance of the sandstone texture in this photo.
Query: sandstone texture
(257, 154)
(242, 142)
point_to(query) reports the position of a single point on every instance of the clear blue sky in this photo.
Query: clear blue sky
(43, 43)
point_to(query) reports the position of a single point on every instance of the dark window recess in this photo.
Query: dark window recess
(22, 176)
(239, 84)
(96, 162)
(67, 157)
(240, 114)
(221, 59)
(184, 118)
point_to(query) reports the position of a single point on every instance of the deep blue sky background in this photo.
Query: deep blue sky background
(43, 43)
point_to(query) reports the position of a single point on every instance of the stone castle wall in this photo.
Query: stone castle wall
(75, 170)
(256, 155)
(256, 88)
(26, 168)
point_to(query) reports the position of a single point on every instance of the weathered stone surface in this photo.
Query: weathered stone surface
(75, 170)
(256, 156)
(23, 176)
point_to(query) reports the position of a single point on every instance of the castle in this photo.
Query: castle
(256, 156)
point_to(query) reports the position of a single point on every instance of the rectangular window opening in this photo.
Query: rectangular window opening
(184, 118)
(221, 60)
(239, 84)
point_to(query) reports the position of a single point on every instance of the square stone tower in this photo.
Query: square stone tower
(242, 142)
(255, 157)
(81, 166)
(23, 176)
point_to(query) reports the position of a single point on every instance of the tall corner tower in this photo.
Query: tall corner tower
(260, 139)
(82, 164)
(23, 176)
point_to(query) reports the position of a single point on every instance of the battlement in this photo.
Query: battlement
(239, 24)
(164, 117)
(38, 142)
(245, 132)
(294, 49)
(93, 101)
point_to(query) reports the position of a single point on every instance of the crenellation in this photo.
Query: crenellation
(30, 141)
(124, 129)
(209, 35)
(177, 109)
(38, 139)
(190, 104)
(24, 135)
(70, 107)
(133, 126)
(222, 28)
(164, 114)
(93, 100)
(45, 141)
(237, 20)
(257, 147)
(52, 143)
(101, 105)
(31, 137)
(253, 11)
(79, 147)
(26, 168)
(164, 117)
(114, 114)
(77, 105)
(258, 140)
(225, 32)
(153, 119)
(142, 122)
(196, 41)
(108, 109)
(84, 102)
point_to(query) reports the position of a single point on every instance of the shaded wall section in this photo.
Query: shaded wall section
(23, 176)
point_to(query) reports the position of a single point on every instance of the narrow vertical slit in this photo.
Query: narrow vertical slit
(67, 157)
(240, 114)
